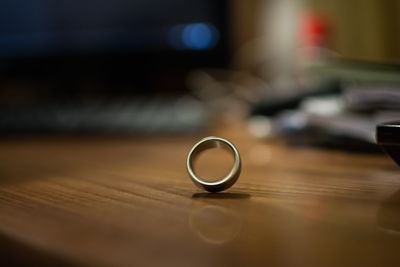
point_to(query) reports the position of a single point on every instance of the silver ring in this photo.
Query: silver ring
(208, 143)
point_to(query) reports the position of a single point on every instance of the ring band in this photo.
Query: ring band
(208, 143)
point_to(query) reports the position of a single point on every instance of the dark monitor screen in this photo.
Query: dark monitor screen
(140, 46)
(48, 27)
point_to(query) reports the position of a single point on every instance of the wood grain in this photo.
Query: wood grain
(80, 201)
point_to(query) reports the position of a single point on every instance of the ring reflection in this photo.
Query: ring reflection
(214, 223)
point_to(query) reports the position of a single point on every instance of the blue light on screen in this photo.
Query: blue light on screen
(196, 36)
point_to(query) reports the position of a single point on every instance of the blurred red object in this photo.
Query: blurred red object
(314, 30)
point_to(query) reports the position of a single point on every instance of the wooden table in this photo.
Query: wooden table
(102, 201)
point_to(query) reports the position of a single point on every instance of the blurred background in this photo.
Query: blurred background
(320, 73)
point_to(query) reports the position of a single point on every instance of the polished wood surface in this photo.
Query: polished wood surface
(82, 201)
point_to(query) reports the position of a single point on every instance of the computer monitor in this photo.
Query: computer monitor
(139, 41)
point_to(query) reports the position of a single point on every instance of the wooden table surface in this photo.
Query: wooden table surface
(103, 201)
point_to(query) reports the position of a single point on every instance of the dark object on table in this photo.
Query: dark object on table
(339, 115)
(388, 137)
(274, 105)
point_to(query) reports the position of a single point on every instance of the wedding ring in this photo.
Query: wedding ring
(209, 143)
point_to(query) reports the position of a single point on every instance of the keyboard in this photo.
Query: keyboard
(136, 115)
